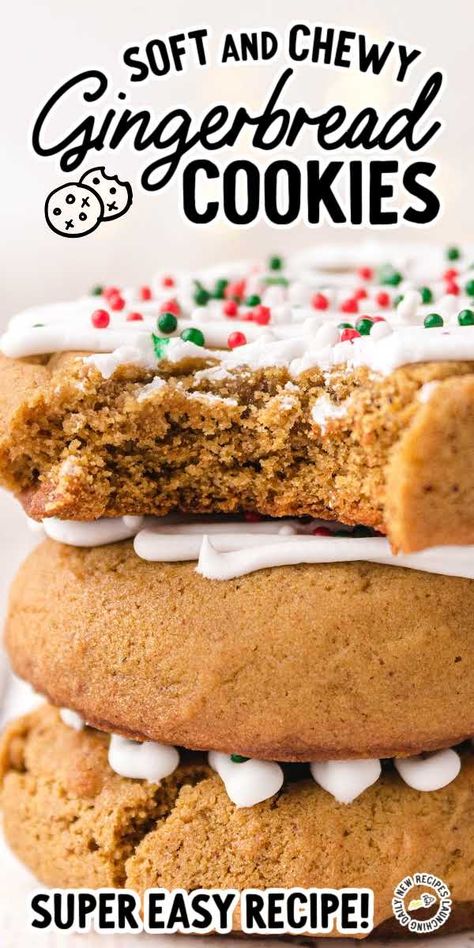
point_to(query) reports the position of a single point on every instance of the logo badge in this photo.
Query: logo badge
(422, 903)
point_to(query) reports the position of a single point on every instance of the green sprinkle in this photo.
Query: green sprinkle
(97, 290)
(433, 320)
(453, 253)
(391, 278)
(276, 281)
(469, 288)
(253, 300)
(219, 289)
(275, 263)
(466, 317)
(167, 323)
(341, 533)
(159, 345)
(364, 326)
(193, 335)
(397, 300)
(361, 531)
(345, 326)
(37, 325)
(201, 295)
(238, 759)
(426, 294)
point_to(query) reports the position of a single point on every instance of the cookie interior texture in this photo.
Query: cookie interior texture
(78, 446)
(75, 823)
(293, 663)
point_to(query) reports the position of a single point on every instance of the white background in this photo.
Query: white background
(44, 42)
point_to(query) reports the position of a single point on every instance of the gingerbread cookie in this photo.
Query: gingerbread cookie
(310, 662)
(78, 824)
(267, 390)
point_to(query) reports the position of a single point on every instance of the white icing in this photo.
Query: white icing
(226, 548)
(93, 532)
(149, 390)
(134, 523)
(431, 772)
(211, 399)
(141, 354)
(247, 783)
(252, 781)
(286, 402)
(218, 563)
(325, 410)
(299, 335)
(426, 391)
(70, 467)
(148, 761)
(345, 780)
(71, 719)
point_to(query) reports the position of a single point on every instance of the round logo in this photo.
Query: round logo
(422, 903)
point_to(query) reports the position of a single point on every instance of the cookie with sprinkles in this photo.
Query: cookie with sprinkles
(357, 338)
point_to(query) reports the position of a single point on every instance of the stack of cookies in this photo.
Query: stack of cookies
(252, 612)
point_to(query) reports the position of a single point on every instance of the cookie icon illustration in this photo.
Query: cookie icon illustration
(74, 210)
(116, 195)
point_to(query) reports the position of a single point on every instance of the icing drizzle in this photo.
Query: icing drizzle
(148, 761)
(226, 549)
(248, 781)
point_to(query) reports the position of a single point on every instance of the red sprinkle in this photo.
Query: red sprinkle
(170, 306)
(377, 319)
(382, 299)
(261, 315)
(134, 317)
(111, 291)
(349, 306)
(252, 517)
(347, 335)
(235, 290)
(360, 294)
(365, 273)
(236, 339)
(452, 289)
(450, 274)
(321, 532)
(319, 301)
(230, 308)
(116, 302)
(144, 293)
(100, 318)
(167, 281)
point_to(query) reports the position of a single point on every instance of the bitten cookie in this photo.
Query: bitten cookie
(341, 445)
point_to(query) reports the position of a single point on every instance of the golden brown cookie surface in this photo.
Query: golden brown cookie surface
(77, 824)
(292, 663)
(79, 446)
